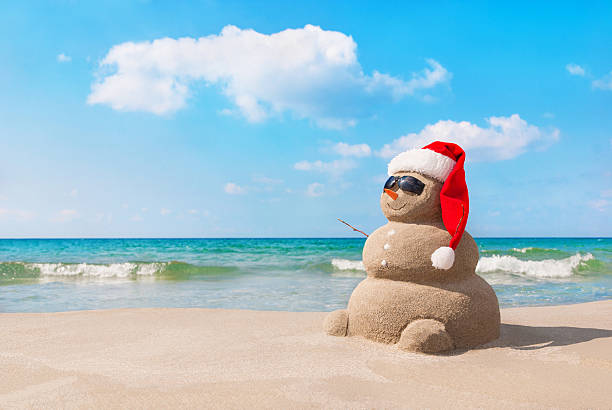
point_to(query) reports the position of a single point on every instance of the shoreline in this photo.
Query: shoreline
(547, 356)
(268, 310)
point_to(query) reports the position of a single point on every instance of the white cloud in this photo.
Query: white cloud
(427, 78)
(599, 204)
(602, 204)
(503, 138)
(193, 212)
(65, 215)
(575, 69)
(165, 211)
(357, 150)
(136, 218)
(74, 193)
(233, 189)
(315, 189)
(333, 168)
(604, 83)
(63, 58)
(309, 72)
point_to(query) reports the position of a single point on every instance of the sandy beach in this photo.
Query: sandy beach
(558, 356)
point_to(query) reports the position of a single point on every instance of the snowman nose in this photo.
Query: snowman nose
(392, 194)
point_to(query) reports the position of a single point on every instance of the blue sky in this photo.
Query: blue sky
(222, 119)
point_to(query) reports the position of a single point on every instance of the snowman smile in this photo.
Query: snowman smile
(398, 208)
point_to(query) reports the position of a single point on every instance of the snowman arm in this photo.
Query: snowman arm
(353, 228)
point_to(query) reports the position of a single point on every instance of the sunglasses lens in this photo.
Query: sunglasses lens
(390, 183)
(411, 184)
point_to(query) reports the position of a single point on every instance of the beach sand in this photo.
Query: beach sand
(558, 356)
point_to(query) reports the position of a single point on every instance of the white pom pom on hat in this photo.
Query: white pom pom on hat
(444, 162)
(443, 258)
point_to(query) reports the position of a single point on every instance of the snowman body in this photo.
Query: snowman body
(406, 300)
(402, 287)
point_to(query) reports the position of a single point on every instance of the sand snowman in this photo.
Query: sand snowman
(421, 290)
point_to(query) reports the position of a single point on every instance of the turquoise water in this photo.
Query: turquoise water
(46, 275)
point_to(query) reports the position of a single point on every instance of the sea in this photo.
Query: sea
(50, 275)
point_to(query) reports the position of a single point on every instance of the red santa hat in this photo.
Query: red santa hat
(442, 161)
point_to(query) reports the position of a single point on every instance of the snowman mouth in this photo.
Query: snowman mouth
(398, 208)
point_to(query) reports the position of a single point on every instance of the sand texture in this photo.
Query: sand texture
(381, 309)
(192, 358)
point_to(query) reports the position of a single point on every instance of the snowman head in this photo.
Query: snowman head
(428, 185)
(411, 197)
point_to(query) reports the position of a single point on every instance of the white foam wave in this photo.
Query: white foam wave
(549, 268)
(522, 250)
(346, 264)
(113, 270)
(531, 248)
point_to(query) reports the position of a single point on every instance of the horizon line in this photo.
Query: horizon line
(279, 237)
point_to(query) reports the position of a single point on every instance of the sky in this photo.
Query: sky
(272, 119)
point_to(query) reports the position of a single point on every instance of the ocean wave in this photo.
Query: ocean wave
(523, 250)
(125, 270)
(529, 252)
(346, 268)
(501, 264)
(548, 268)
(113, 270)
(346, 264)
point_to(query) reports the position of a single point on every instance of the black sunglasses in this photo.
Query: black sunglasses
(406, 183)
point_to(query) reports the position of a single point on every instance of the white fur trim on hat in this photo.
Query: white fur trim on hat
(424, 161)
(443, 258)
